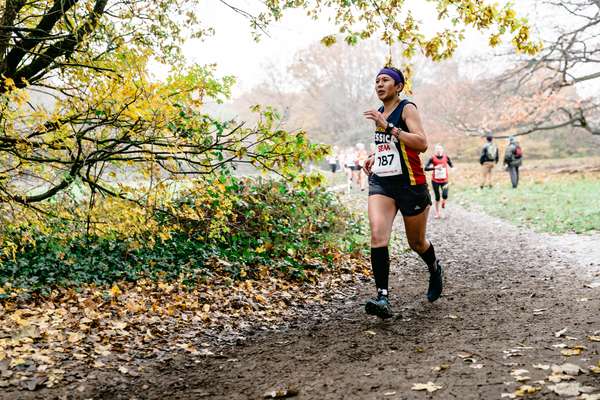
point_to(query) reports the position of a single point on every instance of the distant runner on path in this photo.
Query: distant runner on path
(397, 182)
(487, 159)
(439, 163)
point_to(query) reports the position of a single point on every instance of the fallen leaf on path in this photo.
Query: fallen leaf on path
(592, 285)
(570, 388)
(518, 352)
(477, 366)
(556, 378)
(541, 366)
(595, 396)
(389, 393)
(440, 367)
(28, 331)
(452, 316)
(370, 333)
(561, 332)
(115, 291)
(518, 372)
(567, 368)
(527, 389)
(429, 386)
(463, 354)
(573, 351)
(281, 393)
(594, 338)
(75, 337)
(519, 375)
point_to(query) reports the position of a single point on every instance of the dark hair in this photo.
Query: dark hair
(396, 70)
(489, 138)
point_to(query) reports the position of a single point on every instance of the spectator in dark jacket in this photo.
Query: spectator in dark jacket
(513, 158)
(487, 159)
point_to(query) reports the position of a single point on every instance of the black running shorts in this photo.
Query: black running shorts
(410, 200)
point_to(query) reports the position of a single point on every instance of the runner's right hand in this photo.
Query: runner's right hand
(368, 165)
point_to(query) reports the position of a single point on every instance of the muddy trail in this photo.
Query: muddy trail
(508, 299)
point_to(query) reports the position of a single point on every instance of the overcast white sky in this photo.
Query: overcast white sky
(236, 53)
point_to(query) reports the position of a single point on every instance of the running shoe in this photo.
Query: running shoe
(379, 307)
(435, 283)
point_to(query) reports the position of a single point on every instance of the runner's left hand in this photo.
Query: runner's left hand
(377, 117)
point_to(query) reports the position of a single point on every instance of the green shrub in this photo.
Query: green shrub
(272, 226)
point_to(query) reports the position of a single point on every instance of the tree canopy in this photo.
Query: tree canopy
(110, 126)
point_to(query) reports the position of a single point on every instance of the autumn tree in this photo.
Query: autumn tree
(110, 126)
(108, 114)
(565, 69)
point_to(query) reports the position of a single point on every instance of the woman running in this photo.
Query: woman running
(397, 183)
(349, 166)
(361, 158)
(439, 163)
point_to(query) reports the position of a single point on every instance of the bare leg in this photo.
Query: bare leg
(483, 175)
(416, 230)
(382, 211)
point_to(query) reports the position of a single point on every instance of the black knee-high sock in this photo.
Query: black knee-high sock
(429, 257)
(380, 262)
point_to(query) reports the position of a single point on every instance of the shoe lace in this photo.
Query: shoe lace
(381, 297)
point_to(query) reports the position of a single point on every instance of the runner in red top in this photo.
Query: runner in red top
(439, 164)
(397, 183)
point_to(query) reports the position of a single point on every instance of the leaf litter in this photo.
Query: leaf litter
(114, 328)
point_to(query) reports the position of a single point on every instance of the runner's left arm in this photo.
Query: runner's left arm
(415, 138)
(450, 163)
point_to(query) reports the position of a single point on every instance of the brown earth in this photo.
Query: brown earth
(507, 294)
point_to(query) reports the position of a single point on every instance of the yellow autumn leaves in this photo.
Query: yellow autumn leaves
(394, 20)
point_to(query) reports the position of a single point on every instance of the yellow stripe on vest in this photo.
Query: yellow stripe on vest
(408, 166)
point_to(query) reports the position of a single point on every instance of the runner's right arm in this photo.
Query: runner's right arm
(429, 165)
(369, 164)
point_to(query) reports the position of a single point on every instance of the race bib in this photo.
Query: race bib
(440, 172)
(387, 160)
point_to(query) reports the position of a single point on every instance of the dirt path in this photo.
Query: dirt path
(506, 296)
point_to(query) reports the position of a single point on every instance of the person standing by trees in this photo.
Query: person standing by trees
(334, 160)
(349, 166)
(513, 158)
(487, 159)
(397, 183)
(439, 163)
